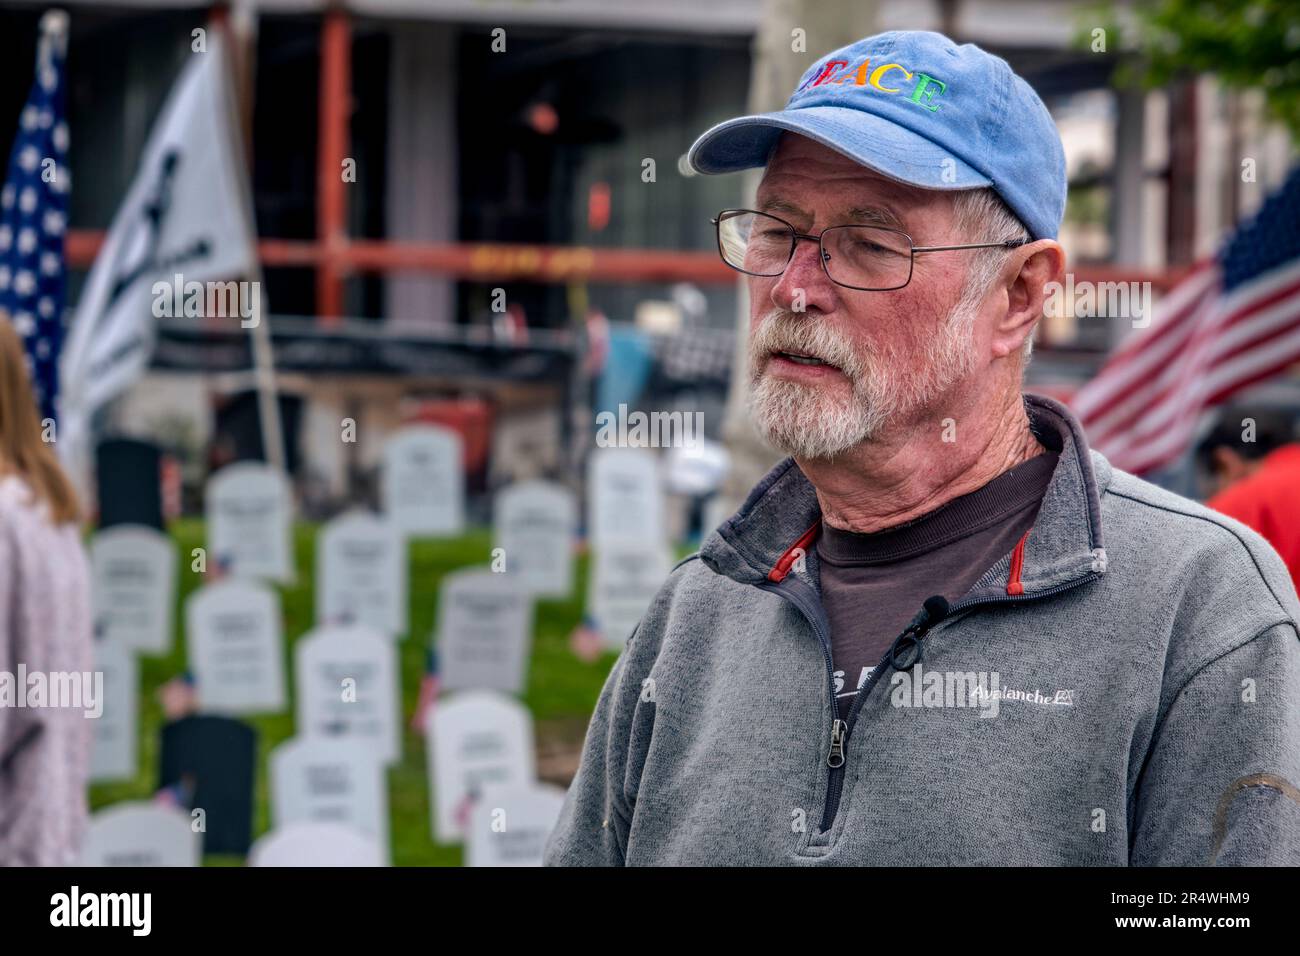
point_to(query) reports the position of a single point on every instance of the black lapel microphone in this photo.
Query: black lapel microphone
(933, 610)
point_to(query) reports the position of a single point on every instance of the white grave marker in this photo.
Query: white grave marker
(716, 511)
(235, 649)
(625, 577)
(330, 780)
(484, 632)
(535, 522)
(625, 498)
(509, 826)
(140, 834)
(250, 517)
(113, 753)
(134, 585)
(361, 574)
(315, 844)
(476, 740)
(347, 686)
(423, 481)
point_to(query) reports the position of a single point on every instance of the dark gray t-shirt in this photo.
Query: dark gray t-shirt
(873, 584)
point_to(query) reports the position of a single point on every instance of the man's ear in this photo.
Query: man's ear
(1230, 465)
(1028, 277)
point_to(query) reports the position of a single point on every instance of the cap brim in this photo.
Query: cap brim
(877, 143)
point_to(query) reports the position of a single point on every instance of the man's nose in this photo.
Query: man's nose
(804, 286)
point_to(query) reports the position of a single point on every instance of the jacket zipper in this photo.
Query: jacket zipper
(835, 784)
(839, 729)
(837, 757)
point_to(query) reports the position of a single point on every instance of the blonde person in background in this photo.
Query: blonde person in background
(45, 627)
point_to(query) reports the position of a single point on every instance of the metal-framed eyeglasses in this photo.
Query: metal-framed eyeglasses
(865, 258)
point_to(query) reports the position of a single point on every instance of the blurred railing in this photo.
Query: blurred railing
(488, 261)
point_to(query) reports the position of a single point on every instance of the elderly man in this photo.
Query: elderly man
(943, 631)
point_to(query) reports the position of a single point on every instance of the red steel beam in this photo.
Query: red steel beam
(480, 262)
(485, 262)
(335, 109)
(491, 261)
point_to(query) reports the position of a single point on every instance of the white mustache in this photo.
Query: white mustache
(782, 331)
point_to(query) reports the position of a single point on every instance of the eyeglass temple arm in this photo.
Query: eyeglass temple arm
(1009, 244)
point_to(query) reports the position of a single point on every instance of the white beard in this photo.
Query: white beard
(811, 423)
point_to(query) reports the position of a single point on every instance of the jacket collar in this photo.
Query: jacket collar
(762, 543)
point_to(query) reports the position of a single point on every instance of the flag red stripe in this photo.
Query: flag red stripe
(1142, 451)
(1138, 353)
(1201, 355)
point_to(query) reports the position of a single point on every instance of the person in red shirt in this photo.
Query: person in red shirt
(1257, 478)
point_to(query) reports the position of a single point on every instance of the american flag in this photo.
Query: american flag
(34, 217)
(1232, 322)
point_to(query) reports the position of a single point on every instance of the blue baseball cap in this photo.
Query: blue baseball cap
(918, 108)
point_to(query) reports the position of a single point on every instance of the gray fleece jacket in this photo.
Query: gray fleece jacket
(1123, 688)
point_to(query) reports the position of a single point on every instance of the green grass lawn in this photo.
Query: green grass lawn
(561, 692)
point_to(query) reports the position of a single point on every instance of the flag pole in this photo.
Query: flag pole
(268, 398)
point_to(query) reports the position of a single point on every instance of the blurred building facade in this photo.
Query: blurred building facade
(550, 169)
